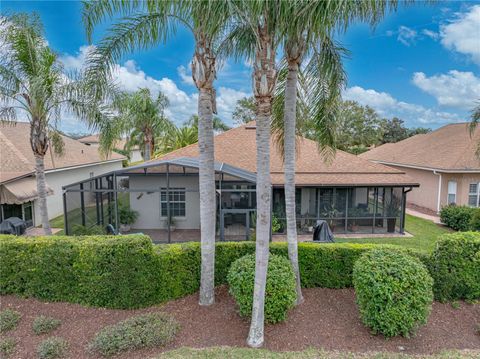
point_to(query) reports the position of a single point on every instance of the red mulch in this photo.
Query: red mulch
(327, 319)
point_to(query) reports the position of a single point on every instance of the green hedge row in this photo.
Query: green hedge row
(131, 272)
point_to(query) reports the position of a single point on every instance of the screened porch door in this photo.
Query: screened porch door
(235, 224)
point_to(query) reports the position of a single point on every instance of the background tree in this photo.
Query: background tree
(140, 117)
(244, 110)
(33, 81)
(176, 138)
(217, 124)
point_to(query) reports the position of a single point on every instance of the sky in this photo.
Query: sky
(421, 63)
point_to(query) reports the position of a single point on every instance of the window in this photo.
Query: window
(177, 202)
(473, 195)
(452, 192)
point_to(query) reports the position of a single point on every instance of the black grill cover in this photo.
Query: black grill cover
(13, 225)
(322, 232)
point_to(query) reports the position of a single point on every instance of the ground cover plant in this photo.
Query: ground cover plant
(7, 346)
(9, 319)
(394, 292)
(280, 289)
(143, 331)
(52, 348)
(44, 325)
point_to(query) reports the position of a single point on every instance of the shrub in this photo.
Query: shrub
(127, 215)
(393, 290)
(475, 221)
(8, 320)
(148, 330)
(458, 217)
(7, 347)
(280, 294)
(44, 325)
(455, 266)
(51, 348)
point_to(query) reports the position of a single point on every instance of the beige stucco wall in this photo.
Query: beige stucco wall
(427, 194)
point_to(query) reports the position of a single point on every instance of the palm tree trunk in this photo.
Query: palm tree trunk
(207, 197)
(203, 74)
(264, 78)
(42, 193)
(289, 162)
(147, 143)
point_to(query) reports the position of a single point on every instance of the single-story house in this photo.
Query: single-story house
(354, 195)
(18, 186)
(135, 154)
(444, 162)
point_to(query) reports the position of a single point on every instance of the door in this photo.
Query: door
(235, 224)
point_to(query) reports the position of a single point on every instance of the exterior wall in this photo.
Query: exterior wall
(427, 194)
(463, 182)
(56, 180)
(148, 204)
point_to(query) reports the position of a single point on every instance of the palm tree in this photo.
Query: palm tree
(32, 82)
(139, 117)
(175, 138)
(149, 23)
(217, 124)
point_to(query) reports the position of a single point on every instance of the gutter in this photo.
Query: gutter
(459, 170)
(439, 196)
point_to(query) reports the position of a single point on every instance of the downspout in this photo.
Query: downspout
(439, 196)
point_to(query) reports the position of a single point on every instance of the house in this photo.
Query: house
(444, 162)
(354, 195)
(135, 154)
(18, 186)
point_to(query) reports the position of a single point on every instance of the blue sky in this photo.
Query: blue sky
(420, 64)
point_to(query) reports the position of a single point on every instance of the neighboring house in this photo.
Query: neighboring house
(18, 186)
(94, 141)
(444, 162)
(352, 194)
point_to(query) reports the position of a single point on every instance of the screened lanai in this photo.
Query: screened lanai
(163, 196)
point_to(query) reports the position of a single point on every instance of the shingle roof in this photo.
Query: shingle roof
(237, 147)
(95, 140)
(17, 160)
(449, 148)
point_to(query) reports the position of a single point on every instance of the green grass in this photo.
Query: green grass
(239, 353)
(425, 234)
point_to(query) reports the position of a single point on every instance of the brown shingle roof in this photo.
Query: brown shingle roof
(237, 147)
(17, 160)
(449, 148)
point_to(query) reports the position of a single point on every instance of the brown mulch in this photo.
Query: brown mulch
(327, 319)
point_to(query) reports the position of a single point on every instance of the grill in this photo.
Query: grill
(13, 225)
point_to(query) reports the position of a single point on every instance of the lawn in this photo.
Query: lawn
(425, 234)
(238, 353)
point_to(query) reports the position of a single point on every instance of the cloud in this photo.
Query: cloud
(386, 105)
(462, 34)
(76, 61)
(454, 89)
(431, 34)
(186, 78)
(406, 35)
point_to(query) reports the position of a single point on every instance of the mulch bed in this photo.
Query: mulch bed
(327, 319)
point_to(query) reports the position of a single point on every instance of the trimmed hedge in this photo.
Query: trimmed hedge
(130, 272)
(460, 218)
(455, 266)
(280, 292)
(393, 290)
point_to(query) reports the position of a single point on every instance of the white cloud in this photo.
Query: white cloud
(75, 62)
(462, 34)
(431, 34)
(386, 105)
(186, 78)
(406, 35)
(454, 89)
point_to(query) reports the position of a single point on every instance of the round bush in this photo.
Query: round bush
(280, 294)
(393, 290)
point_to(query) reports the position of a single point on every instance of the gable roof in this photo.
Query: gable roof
(449, 148)
(95, 140)
(17, 160)
(237, 147)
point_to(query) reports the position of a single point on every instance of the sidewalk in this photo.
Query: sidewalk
(434, 219)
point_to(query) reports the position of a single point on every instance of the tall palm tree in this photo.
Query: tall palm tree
(175, 138)
(32, 81)
(149, 23)
(140, 117)
(309, 34)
